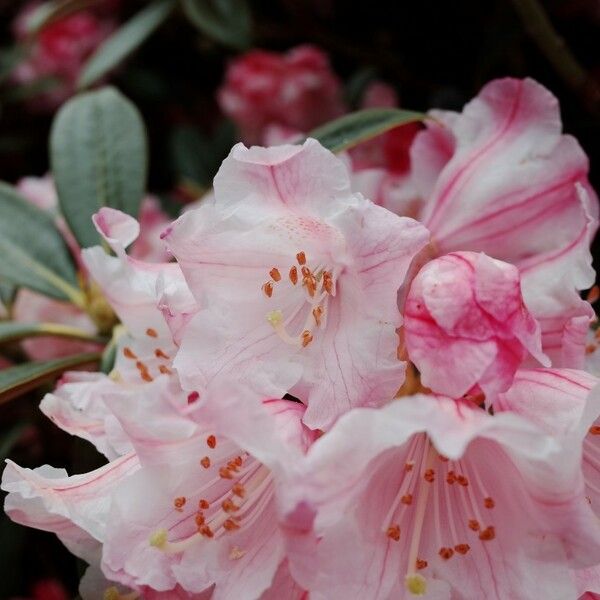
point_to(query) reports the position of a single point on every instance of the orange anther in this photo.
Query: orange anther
(230, 525)
(306, 272)
(393, 532)
(294, 275)
(129, 353)
(474, 525)
(192, 397)
(160, 354)
(327, 282)
(267, 288)
(233, 466)
(450, 477)
(179, 503)
(593, 294)
(275, 274)
(237, 461)
(317, 313)
(165, 370)
(462, 548)
(594, 430)
(211, 441)
(205, 462)
(429, 476)
(489, 502)
(462, 480)
(306, 338)
(443, 458)
(301, 258)
(203, 504)
(409, 466)
(228, 506)
(238, 490)
(200, 520)
(146, 376)
(225, 473)
(446, 553)
(206, 531)
(407, 499)
(151, 332)
(421, 564)
(489, 533)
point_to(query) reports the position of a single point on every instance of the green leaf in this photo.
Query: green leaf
(123, 42)
(226, 21)
(99, 156)
(8, 292)
(18, 380)
(12, 331)
(357, 127)
(33, 251)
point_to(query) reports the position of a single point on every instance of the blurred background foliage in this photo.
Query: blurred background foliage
(435, 54)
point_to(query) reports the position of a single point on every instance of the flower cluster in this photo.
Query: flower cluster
(325, 398)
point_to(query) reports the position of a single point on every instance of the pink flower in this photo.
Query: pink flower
(33, 307)
(465, 325)
(59, 51)
(296, 90)
(430, 495)
(298, 278)
(497, 178)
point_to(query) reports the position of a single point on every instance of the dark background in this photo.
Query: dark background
(436, 54)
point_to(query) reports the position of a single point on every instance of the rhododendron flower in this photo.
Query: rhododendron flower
(497, 178)
(465, 324)
(298, 280)
(59, 51)
(297, 90)
(32, 307)
(431, 496)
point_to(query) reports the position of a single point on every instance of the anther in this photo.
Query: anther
(275, 274)
(489, 533)
(489, 502)
(165, 370)
(462, 480)
(160, 354)
(236, 553)
(429, 475)
(462, 548)
(317, 313)
(228, 506)
(267, 288)
(446, 553)
(294, 275)
(421, 564)
(230, 525)
(179, 503)
(393, 532)
(225, 473)
(450, 477)
(192, 397)
(327, 282)
(238, 490)
(301, 258)
(205, 462)
(203, 504)
(200, 519)
(211, 441)
(206, 531)
(593, 294)
(151, 332)
(407, 499)
(129, 353)
(306, 338)
(146, 376)
(409, 465)
(474, 525)
(595, 430)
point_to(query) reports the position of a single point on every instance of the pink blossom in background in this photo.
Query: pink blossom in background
(466, 325)
(33, 307)
(297, 90)
(297, 278)
(58, 51)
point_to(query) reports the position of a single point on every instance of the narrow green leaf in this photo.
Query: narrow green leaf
(226, 21)
(18, 380)
(123, 42)
(12, 331)
(357, 127)
(33, 251)
(8, 292)
(99, 156)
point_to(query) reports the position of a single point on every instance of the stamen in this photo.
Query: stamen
(327, 282)
(595, 430)
(317, 313)
(407, 499)
(489, 502)
(307, 338)
(203, 504)
(462, 548)
(301, 258)
(275, 274)
(474, 525)
(446, 553)
(429, 475)
(179, 503)
(165, 370)
(267, 288)
(294, 275)
(393, 532)
(151, 332)
(225, 473)
(205, 462)
(238, 490)
(129, 353)
(192, 397)
(236, 553)
(211, 441)
(228, 506)
(489, 533)
(230, 525)
(421, 564)
(160, 354)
